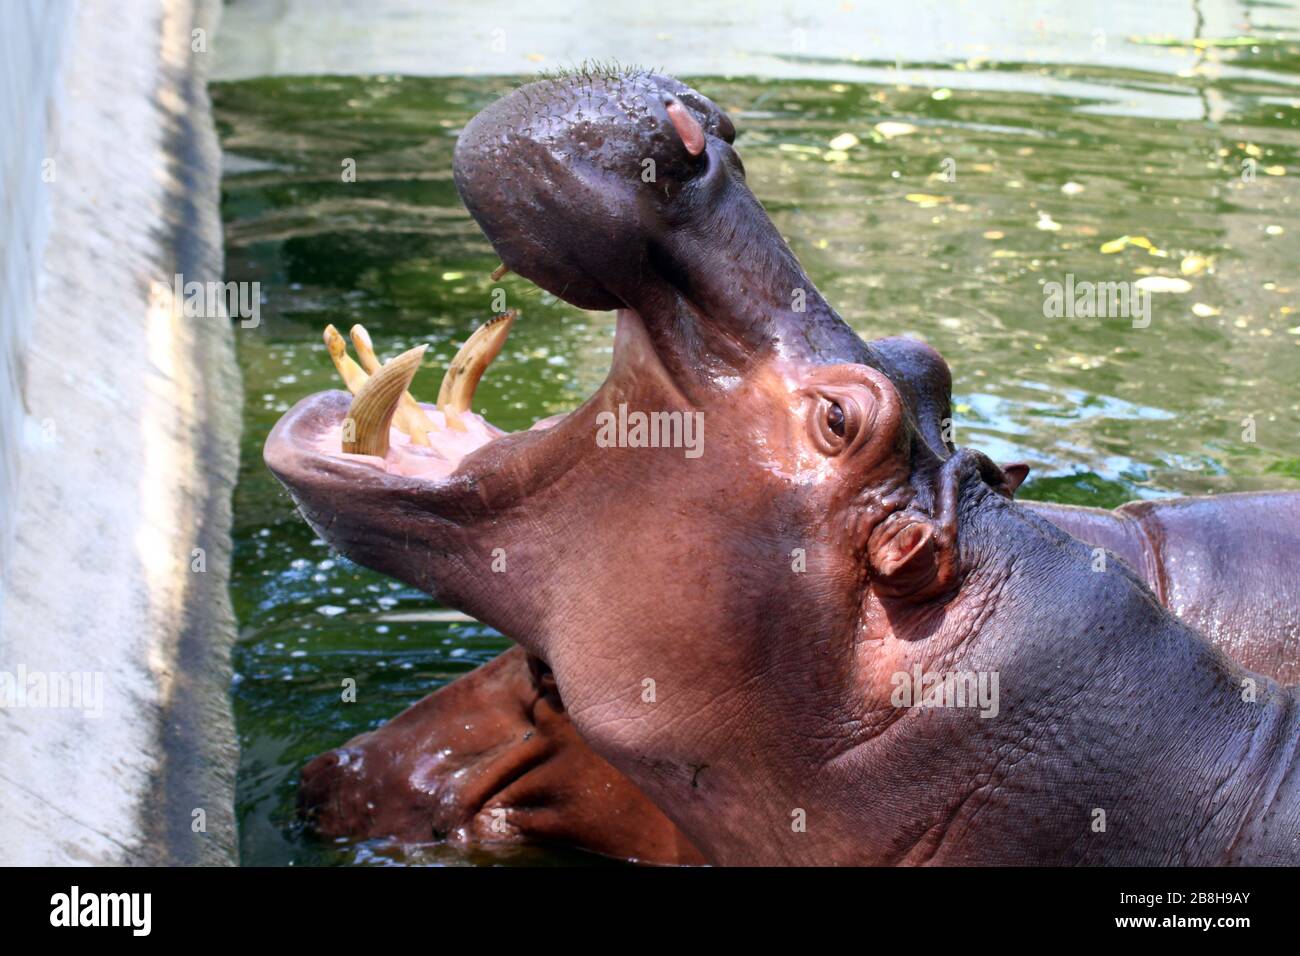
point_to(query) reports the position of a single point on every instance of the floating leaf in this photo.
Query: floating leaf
(844, 141)
(1201, 310)
(925, 200)
(1285, 466)
(1142, 242)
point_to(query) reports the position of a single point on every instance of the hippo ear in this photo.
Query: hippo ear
(925, 383)
(1014, 475)
(910, 556)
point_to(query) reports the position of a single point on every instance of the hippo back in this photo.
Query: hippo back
(1223, 564)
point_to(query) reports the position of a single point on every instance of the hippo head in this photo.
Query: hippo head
(751, 491)
(489, 759)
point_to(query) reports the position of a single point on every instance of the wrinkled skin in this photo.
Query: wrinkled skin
(439, 768)
(825, 544)
(1224, 564)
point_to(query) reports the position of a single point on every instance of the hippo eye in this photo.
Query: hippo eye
(835, 422)
(835, 419)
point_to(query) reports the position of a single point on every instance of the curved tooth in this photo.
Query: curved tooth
(465, 370)
(410, 418)
(353, 375)
(365, 430)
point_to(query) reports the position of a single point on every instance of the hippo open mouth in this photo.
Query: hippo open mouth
(727, 629)
(613, 191)
(821, 466)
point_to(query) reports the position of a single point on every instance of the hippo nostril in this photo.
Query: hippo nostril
(324, 785)
(321, 764)
(687, 126)
(330, 761)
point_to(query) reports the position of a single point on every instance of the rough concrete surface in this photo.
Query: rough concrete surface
(127, 455)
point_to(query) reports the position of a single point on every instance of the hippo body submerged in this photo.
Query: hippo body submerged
(827, 542)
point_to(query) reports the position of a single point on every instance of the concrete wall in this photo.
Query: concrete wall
(118, 440)
(30, 50)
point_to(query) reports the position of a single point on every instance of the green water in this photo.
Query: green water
(1104, 412)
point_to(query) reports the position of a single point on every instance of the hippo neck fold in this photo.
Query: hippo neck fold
(1058, 775)
(1085, 658)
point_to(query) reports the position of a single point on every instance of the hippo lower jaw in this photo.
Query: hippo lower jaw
(445, 515)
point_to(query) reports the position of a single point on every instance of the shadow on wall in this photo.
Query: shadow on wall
(30, 47)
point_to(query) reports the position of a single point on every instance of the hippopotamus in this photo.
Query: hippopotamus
(801, 622)
(493, 759)
(449, 766)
